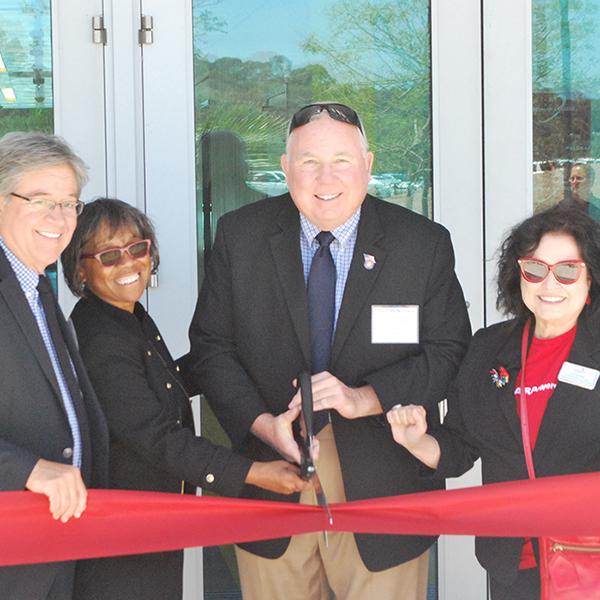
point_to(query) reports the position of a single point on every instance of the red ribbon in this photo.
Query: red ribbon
(125, 522)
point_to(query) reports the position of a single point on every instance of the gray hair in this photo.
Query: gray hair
(21, 152)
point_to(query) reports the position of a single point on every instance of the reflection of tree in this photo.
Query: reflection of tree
(376, 58)
(565, 77)
(381, 55)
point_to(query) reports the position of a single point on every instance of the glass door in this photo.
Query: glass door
(255, 64)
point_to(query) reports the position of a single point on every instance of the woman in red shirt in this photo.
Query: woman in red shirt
(549, 275)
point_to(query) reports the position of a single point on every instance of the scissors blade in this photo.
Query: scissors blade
(307, 445)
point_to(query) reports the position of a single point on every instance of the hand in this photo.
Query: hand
(329, 393)
(63, 486)
(409, 424)
(277, 476)
(276, 431)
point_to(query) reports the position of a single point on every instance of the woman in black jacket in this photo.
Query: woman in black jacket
(144, 396)
(549, 276)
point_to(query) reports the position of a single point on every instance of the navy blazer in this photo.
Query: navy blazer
(482, 422)
(250, 339)
(33, 421)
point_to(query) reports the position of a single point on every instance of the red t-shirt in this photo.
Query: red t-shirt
(544, 360)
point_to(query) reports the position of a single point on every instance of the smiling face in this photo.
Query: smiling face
(556, 306)
(327, 169)
(123, 284)
(38, 236)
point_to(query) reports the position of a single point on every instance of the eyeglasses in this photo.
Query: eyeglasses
(69, 207)
(339, 112)
(535, 270)
(110, 257)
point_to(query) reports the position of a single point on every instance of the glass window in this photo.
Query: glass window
(566, 103)
(25, 66)
(26, 72)
(256, 62)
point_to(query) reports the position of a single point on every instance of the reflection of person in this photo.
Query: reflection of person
(153, 446)
(549, 268)
(251, 337)
(224, 175)
(581, 181)
(53, 437)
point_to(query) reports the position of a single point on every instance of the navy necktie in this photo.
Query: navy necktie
(321, 308)
(321, 302)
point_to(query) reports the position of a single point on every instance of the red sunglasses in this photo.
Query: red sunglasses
(111, 256)
(535, 270)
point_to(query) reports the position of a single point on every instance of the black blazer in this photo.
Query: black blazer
(250, 339)
(33, 421)
(482, 422)
(152, 441)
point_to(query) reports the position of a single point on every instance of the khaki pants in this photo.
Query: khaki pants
(309, 570)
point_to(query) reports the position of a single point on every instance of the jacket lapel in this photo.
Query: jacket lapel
(509, 357)
(13, 295)
(285, 249)
(360, 280)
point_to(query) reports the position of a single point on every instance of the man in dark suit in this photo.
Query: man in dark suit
(394, 331)
(53, 437)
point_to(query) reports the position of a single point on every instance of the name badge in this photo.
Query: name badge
(395, 324)
(584, 377)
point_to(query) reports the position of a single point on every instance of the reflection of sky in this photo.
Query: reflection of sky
(550, 51)
(259, 29)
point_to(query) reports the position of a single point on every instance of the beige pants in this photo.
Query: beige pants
(309, 570)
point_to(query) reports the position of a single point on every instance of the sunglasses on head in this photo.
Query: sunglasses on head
(535, 270)
(339, 112)
(110, 257)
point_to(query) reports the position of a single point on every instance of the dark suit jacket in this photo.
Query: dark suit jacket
(33, 422)
(250, 338)
(482, 422)
(153, 445)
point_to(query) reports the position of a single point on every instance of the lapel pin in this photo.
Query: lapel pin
(499, 377)
(369, 262)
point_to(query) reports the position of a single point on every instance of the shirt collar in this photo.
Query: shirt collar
(342, 233)
(27, 277)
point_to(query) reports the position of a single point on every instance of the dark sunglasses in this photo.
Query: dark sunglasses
(535, 270)
(339, 112)
(110, 257)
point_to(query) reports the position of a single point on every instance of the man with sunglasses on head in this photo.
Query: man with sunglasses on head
(53, 436)
(362, 294)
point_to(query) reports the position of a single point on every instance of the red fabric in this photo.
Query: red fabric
(544, 360)
(124, 522)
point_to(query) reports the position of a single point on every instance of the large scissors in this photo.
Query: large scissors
(307, 444)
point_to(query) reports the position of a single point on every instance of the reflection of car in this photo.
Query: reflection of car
(381, 185)
(388, 184)
(271, 183)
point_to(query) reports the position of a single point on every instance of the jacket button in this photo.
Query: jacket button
(177, 368)
(210, 478)
(67, 453)
(148, 353)
(178, 421)
(169, 386)
(158, 338)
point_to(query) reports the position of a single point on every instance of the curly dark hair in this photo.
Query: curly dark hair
(114, 215)
(525, 237)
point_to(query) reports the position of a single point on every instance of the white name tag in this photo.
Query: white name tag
(395, 324)
(578, 375)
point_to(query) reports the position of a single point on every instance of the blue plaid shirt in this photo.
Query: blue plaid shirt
(342, 249)
(28, 280)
